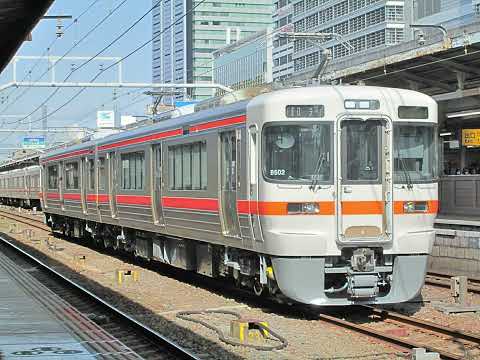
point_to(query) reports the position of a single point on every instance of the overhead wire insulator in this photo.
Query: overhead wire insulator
(59, 32)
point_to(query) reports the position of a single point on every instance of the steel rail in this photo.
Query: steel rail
(427, 325)
(388, 338)
(444, 281)
(148, 332)
(25, 220)
(400, 342)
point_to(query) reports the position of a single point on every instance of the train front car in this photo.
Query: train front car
(345, 192)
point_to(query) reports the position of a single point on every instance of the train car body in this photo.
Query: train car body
(323, 195)
(21, 187)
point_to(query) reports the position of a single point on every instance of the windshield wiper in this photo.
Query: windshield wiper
(319, 166)
(408, 179)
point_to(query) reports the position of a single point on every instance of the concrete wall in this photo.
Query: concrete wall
(456, 252)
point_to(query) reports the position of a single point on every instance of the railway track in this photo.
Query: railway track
(25, 219)
(143, 341)
(443, 280)
(373, 322)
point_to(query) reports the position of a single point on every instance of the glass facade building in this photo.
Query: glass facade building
(183, 52)
(363, 24)
(246, 63)
(449, 13)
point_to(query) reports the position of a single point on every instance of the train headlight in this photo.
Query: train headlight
(415, 207)
(303, 208)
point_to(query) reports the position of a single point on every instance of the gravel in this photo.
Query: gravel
(161, 292)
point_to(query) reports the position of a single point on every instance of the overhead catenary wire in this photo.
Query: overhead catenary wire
(85, 117)
(45, 52)
(91, 31)
(49, 68)
(143, 45)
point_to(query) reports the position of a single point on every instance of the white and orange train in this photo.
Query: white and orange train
(322, 195)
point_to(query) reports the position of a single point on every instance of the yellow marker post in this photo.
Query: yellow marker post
(248, 329)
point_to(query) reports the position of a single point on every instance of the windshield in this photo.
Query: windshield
(297, 153)
(414, 153)
(361, 147)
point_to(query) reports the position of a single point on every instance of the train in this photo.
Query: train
(21, 187)
(321, 195)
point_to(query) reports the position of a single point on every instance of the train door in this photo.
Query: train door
(112, 182)
(28, 186)
(61, 182)
(229, 183)
(84, 171)
(253, 151)
(365, 209)
(157, 184)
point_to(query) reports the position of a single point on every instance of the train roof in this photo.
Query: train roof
(342, 92)
(190, 119)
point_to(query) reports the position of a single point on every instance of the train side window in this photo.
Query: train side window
(187, 166)
(71, 176)
(133, 170)
(101, 173)
(52, 174)
(91, 174)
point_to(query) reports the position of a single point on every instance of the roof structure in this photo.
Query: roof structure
(17, 19)
(446, 68)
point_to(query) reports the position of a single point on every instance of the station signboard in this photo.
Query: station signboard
(33, 142)
(105, 119)
(471, 137)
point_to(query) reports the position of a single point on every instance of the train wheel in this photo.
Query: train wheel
(116, 244)
(258, 288)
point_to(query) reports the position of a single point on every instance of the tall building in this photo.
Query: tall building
(449, 13)
(183, 52)
(245, 63)
(282, 47)
(363, 25)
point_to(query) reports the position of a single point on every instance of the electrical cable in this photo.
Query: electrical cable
(49, 47)
(83, 118)
(96, 26)
(114, 64)
(185, 315)
(93, 29)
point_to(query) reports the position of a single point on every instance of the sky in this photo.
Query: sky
(81, 111)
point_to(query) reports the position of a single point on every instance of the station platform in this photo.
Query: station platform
(456, 249)
(35, 323)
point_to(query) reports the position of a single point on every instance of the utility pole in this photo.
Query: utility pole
(45, 122)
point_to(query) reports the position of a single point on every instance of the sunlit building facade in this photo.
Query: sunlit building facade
(183, 46)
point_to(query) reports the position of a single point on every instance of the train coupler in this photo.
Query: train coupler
(362, 285)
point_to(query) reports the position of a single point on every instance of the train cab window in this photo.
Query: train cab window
(101, 173)
(414, 153)
(361, 143)
(52, 175)
(413, 112)
(133, 170)
(187, 166)
(71, 176)
(91, 174)
(297, 153)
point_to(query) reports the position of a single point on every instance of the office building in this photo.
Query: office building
(448, 13)
(245, 63)
(183, 52)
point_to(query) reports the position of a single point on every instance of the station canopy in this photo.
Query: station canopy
(17, 19)
(445, 68)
